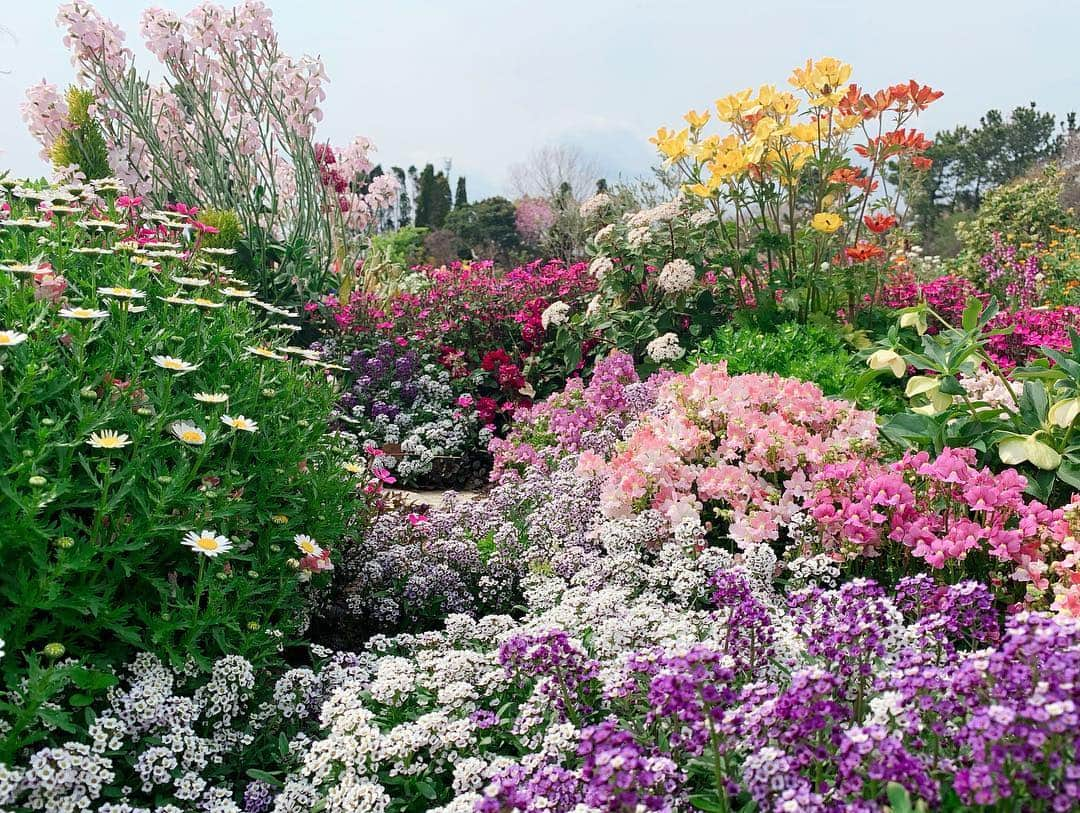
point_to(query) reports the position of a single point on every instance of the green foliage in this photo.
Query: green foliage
(809, 352)
(81, 143)
(461, 196)
(1024, 211)
(1030, 426)
(227, 223)
(969, 162)
(487, 227)
(91, 556)
(402, 247)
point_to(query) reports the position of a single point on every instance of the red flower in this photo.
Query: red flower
(863, 252)
(852, 177)
(880, 223)
(921, 162)
(894, 143)
(493, 359)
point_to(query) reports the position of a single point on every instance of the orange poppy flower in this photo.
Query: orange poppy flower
(863, 252)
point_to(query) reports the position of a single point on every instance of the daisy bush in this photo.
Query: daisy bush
(161, 488)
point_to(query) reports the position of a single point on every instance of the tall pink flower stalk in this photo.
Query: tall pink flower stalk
(231, 125)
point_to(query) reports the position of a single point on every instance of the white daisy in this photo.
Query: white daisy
(237, 293)
(10, 338)
(82, 313)
(189, 433)
(108, 439)
(174, 364)
(191, 282)
(239, 422)
(266, 353)
(307, 545)
(208, 543)
(211, 397)
(123, 293)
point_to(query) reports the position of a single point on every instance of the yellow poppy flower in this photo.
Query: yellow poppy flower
(826, 222)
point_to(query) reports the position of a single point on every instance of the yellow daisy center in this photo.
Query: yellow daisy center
(191, 435)
(207, 543)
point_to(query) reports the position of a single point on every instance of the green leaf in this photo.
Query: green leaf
(950, 385)
(1069, 472)
(899, 798)
(265, 777)
(707, 802)
(970, 319)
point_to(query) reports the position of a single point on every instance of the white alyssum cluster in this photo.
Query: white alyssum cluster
(557, 313)
(677, 277)
(665, 348)
(702, 218)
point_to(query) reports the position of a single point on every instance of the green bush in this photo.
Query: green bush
(91, 556)
(1022, 212)
(809, 352)
(402, 247)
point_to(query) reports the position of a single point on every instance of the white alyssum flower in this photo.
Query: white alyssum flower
(639, 236)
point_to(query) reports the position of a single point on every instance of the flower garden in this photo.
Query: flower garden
(769, 509)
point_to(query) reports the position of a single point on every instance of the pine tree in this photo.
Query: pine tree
(404, 208)
(461, 197)
(442, 202)
(425, 198)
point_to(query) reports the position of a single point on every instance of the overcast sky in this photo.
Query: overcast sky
(483, 82)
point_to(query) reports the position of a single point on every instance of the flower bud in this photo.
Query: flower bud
(37, 481)
(54, 650)
(65, 542)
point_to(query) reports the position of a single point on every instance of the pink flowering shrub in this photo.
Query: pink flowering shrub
(477, 319)
(532, 219)
(747, 444)
(950, 515)
(580, 420)
(231, 125)
(1013, 279)
(1031, 328)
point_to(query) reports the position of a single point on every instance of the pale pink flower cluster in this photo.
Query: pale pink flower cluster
(229, 93)
(738, 448)
(45, 112)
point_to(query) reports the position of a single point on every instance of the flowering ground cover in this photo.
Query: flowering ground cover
(779, 513)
